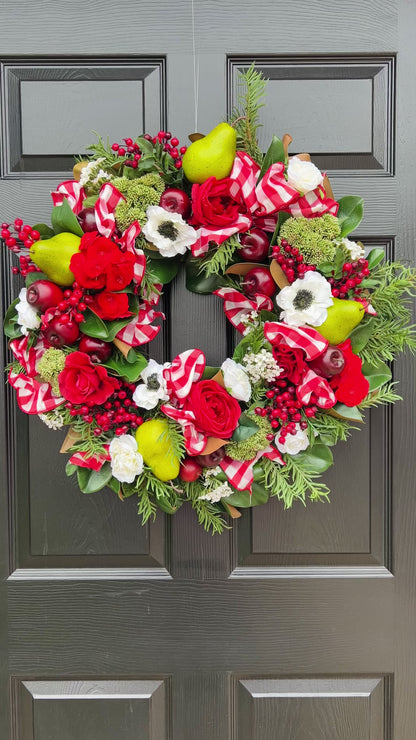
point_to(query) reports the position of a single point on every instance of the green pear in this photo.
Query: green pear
(211, 156)
(54, 255)
(342, 318)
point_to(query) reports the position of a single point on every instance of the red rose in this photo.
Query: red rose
(292, 362)
(214, 206)
(109, 306)
(83, 382)
(216, 412)
(90, 264)
(350, 386)
(120, 271)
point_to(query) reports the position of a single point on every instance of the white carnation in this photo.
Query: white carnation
(168, 231)
(293, 443)
(148, 394)
(303, 176)
(27, 316)
(126, 461)
(236, 380)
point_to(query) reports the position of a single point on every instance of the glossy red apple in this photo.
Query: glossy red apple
(330, 363)
(86, 219)
(259, 280)
(212, 460)
(97, 349)
(176, 201)
(44, 294)
(58, 333)
(190, 470)
(255, 246)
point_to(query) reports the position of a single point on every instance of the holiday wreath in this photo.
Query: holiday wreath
(318, 319)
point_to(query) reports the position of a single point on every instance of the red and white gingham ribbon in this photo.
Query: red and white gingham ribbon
(240, 473)
(95, 462)
(297, 337)
(139, 330)
(313, 383)
(195, 441)
(33, 397)
(72, 191)
(128, 241)
(315, 203)
(108, 200)
(237, 306)
(186, 369)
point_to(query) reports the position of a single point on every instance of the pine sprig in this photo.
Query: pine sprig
(217, 262)
(330, 427)
(381, 396)
(292, 482)
(104, 151)
(245, 115)
(146, 508)
(209, 515)
(16, 368)
(174, 436)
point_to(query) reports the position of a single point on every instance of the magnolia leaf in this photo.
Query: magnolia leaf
(282, 217)
(360, 336)
(376, 375)
(70, 468)
(246, 428)
(127, 370)
(113, 327)
(45, 231)
(244, 500)
(64, 219)
(115, 486)
(129, 489)
(231, 510)
(167, 506)
(350, 213)
(93, 326)
(164, 270)
(351, 413)
(12, 329)
(32, 277)
(315, 459)
(209, 372)
(91, 481)
(275, 153)
(375, 257)
(197, 282)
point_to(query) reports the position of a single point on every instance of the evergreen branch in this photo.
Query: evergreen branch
(174, 436)
(217, 262)
(292, 482)
(15, 367)
(245, 115)
(146, 508)
(103, 151)
(329, 427)
(381, 396)
(209, 514)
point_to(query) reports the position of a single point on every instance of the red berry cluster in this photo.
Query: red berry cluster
(353, 273)
(73, 305)
(130, 148)
(163, 138)
(284, 410)
(19, 236)
(120, 413)
(291, 261)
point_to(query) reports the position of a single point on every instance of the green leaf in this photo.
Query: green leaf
(197, 282)
(375, 257)
(243, 499)
(11, 327)
(45, 231)
(164, 270)
(31, 277)
(246, 428)
(113, 327)
(268, 315)
(95, 327)
(129, 489)
(316, 459)
(114, 484)
(350, 213)
(70, 469)
(166, 505)
(275, 153)
(360, 336)
(282, 217)
(209, 372)
(63, 219)
(376, 375)
(91, 481)
(146, 146)
(352, 413)
(130, 371)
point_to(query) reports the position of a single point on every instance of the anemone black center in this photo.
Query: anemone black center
(303, 300)
(168, 230)
(153, 382)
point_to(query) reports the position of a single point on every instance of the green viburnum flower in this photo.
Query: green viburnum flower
(314, 237)
(49, 366)
(248, 448)
(140, 193)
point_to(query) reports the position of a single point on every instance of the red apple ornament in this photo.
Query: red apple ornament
(255, 246)
(190, 470)
(59, 333)
(330, 363)
(259, 280)
(212, 460)
(97, 349)
(176, 201)
(44, 294)
(86, 219)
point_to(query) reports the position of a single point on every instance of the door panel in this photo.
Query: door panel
(295, 624)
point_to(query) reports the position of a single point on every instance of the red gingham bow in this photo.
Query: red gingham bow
(313, 344)
(237, 306)
(105, 207)
(72, 191)
(33, 396)
(95, 462)
(139, 330)
(128, 240)
(240, 473)
(186, 369)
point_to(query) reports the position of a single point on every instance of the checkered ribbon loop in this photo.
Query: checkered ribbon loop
(73, 192)
(140, 330)
(128, 241)
(240, 473)
(297, 337)
(95, 462)
(186, 369)
(105, 206)
(237, 306)
(313, 383)
(315, 203)
(195, 441)
(33, 396)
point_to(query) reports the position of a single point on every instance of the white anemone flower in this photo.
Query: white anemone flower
(168, 232)
(305, 301)
(148, 394)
